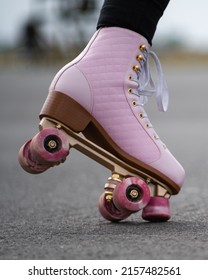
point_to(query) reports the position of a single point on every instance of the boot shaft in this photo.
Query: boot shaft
(109, 80)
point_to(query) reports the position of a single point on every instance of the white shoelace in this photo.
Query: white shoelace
(144, 79)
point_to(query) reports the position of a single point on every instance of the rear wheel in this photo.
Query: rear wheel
(109, 211)
(26, 161)
(49, 146)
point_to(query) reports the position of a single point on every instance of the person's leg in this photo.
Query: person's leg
(141, 16)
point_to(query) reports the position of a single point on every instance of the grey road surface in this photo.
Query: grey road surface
(54, 215)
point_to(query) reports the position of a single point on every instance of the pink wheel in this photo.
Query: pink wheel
(132, 194)
(109, 211)
(50, 146)
(27, 162)
(158, 210)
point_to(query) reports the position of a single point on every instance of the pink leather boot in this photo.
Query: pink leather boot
(102, 94)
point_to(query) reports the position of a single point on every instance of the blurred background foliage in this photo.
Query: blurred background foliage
(51, 31)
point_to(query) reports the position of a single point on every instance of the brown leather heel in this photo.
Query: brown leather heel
(64, 109)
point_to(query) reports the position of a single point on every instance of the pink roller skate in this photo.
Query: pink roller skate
(102, 94)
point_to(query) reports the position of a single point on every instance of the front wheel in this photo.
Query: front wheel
(132, 194)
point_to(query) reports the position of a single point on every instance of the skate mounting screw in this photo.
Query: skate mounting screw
(109, 197)
(58, 126)
(134, 194)
(52, 144)
(116, 177)
(148, 180)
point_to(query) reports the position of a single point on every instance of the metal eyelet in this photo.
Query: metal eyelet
(134, 103)
(136, 68)
(130, 90)
(130, 77)
(140, 57)
(142, 47)
(147, 125)
(141, 115)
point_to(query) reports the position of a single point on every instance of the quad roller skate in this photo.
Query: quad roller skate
(96, 105)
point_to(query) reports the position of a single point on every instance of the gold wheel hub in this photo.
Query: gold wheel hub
(52, 144)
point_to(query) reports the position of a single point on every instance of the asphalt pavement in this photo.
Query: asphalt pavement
(54, 215)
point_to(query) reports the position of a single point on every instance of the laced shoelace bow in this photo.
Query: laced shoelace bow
(146, 86)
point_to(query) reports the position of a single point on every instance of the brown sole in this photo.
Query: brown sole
(63, 109)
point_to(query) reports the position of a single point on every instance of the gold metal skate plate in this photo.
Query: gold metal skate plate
(108, 160)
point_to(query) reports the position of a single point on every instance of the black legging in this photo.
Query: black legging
(140, 16)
